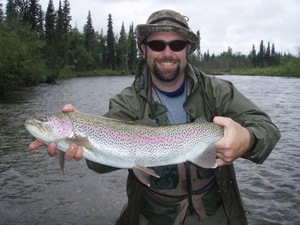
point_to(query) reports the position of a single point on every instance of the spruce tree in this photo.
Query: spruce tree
(59, 36)
(11, 14)
(268, 55)
(102, 40)
(40, 22)
(50, 51)
(275, 57)
(132, 55)
(122, 50)
(253, 56)
(89, 33)
(261, 54)
(34, 14)
(59, 23)
(89, 43)
(50, 20)
(66, 16)
(1, 12)
(23, 10)
(110, 44)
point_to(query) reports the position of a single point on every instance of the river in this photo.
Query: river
(33, 189)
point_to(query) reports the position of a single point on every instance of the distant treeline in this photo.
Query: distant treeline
(38, 46)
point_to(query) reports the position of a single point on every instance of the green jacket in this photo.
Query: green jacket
(209, 97)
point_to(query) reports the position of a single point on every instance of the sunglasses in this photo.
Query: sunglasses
(160, 45)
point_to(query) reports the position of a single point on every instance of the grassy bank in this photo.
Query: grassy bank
(69, 72)
(289, 69)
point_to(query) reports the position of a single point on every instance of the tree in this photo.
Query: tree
(66, 16)
(33, 14)
(77, 53)
(40, 22)
(253, 57)
(89, 34)
(110, 44)
(62, 29)
(261, 55)
(1, 12)
(89, 42)
(50, 36)
(275, 57)
(23, 10)
(132, 54)
(102, 40)
(60, 42)
(267, 56)
(298, 51)
(21, 60)
(122, 50)
(50, 20)
(11, 13)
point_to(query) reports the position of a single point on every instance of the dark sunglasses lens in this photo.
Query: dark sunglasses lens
(157, 46)
(177, 46)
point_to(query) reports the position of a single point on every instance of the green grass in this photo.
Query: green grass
(289, 69)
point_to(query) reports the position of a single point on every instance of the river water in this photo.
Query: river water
(33, 189)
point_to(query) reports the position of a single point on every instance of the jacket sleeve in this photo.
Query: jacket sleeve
(229, 102)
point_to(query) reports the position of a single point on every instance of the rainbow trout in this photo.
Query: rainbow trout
(129, 145)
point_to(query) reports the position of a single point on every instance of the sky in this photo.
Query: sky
(238, 24)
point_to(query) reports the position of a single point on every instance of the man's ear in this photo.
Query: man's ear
(189, 47)
(143, 47)
(144, 50)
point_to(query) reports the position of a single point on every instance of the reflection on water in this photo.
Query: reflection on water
(34, 191)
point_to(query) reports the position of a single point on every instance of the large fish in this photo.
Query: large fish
(129, 145)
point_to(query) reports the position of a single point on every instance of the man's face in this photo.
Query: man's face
(166, 65)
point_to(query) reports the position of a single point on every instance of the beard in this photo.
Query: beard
(166, 75)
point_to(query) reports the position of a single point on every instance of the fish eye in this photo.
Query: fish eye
(43, 119)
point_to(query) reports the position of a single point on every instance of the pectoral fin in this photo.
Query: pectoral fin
(81, 141)
(143, 174)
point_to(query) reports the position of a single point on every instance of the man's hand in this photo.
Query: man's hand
(74, 151)
(235, 142)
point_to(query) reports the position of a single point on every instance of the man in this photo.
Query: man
(168, 89)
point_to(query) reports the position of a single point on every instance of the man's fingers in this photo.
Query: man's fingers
(79, 154)
(52, 150)
(74, 152)
(222, 121)
(69, 108)
(35, 144)
(222, 160)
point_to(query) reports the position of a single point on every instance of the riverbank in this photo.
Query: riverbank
(289, 69)
(69, 72)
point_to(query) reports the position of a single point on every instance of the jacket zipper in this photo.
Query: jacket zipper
(189, 188)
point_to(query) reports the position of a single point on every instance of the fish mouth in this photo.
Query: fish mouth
(29, 123)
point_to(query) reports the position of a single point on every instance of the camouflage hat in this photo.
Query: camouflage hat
(167, 21)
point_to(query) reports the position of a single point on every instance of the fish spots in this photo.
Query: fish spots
(59, 126)
(131, 143)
